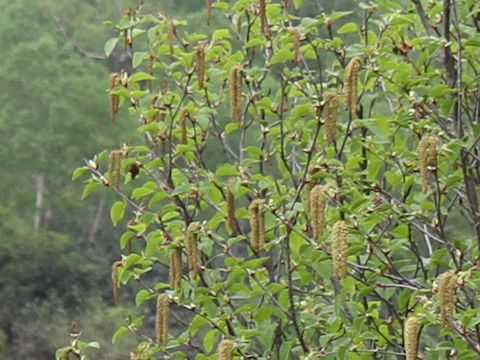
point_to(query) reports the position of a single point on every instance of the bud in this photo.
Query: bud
(412, 328)
(257, 224)
(350, 85)
(340, 249)
(161, 319)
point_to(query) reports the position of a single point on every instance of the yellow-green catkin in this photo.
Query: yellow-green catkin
(447, 285)
(350, 85)
(183, 125)
(340, 249)
(330, 112)
(296, 37)
(114, 81)
(412, 327)
(257, 224)
(225, 350)
(161, 319)
(208, 7)
(230, 199)
(235, 88)
(310, 183)
(114, 162)
(175, 269)
(318, 203)
(192, 247)
(200, 64)
(427, 158)
(116, 281)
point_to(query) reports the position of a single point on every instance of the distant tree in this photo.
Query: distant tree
(310, 183)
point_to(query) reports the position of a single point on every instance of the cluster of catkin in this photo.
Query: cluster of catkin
(257, 224)
(235, 89)
(114, 81)
(116, 281)
(350, 85)
(114, 162)
(225, 350)
(175, 268)
(427, 158)
(161, 319)
(192, 247)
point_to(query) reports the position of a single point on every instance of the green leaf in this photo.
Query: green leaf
(140, 76)
(119, 333)
(348, 28)
(79, 172)
(142, 296)
(110, 45)
(92, 185)
(117, 211)
(209, 340)
(226, 170)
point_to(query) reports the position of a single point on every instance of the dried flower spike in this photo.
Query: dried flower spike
(412, 328)
(116, 281)
(427, 158)
(318, 202)
(225, 350)
(231, 221)
(161, 319)
(200, 64)
(114, 81)
(447, 285)
(330, 112)
(235, 87)
(340, 249)
(175, 269)
(192, 247)
(114, 161)
(350, 85)
(257, 224)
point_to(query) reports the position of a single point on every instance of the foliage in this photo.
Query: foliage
(394, 212)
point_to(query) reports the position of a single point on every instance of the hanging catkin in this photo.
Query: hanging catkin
(340, 249)
(170, 34)
(114, 81)
(330, 112)
(310, 183)
(114, 161)
(350, 85)
(192, 247)
(231, 221)
(318, 202)
(427, 158)
(263, 17)
(175, 269)
(411, 330)
(225, 350)
(183, 125)
(200, 63)
(447, 285)
(235, 87)
(116, 281)
(208, 6)
(297, 54)
(257, 224)
(161, 319)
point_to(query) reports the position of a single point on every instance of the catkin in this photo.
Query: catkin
(263, 16)
(114, 81)
(350, 85)
(318, 202)
(330, 114)
(114, 161)
(231, 221)
(200, 64)
(161, 319)
(183, 125)
(309, 186)
(447, 284)
(225, 350)
(208, 6)
(427, 158)
(340, 249)
(116, 281)
(257, 224)
(297, 54)
(192, 247)
(175, 269)
(235, 87)
(170, 34)
(412, 328)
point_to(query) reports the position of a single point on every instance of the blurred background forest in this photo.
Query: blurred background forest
(55, 250)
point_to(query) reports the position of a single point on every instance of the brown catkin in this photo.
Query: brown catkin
(330, 112)
(350, 85)
(116, 282)
(309, 186)
(296, 36)
(231, 221)
(447, 285)
(263, 16)
(340, 249)
(257, 224)
(183, 125)
(170, 34)
(208, 6)
(427, 158)
(225, 350)
(161, 319)
(192, 247)
(114, 162)
(114, 81)
(411, 330)
(318, 203)
(235, 87)
(175, 269)
(200, 64)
